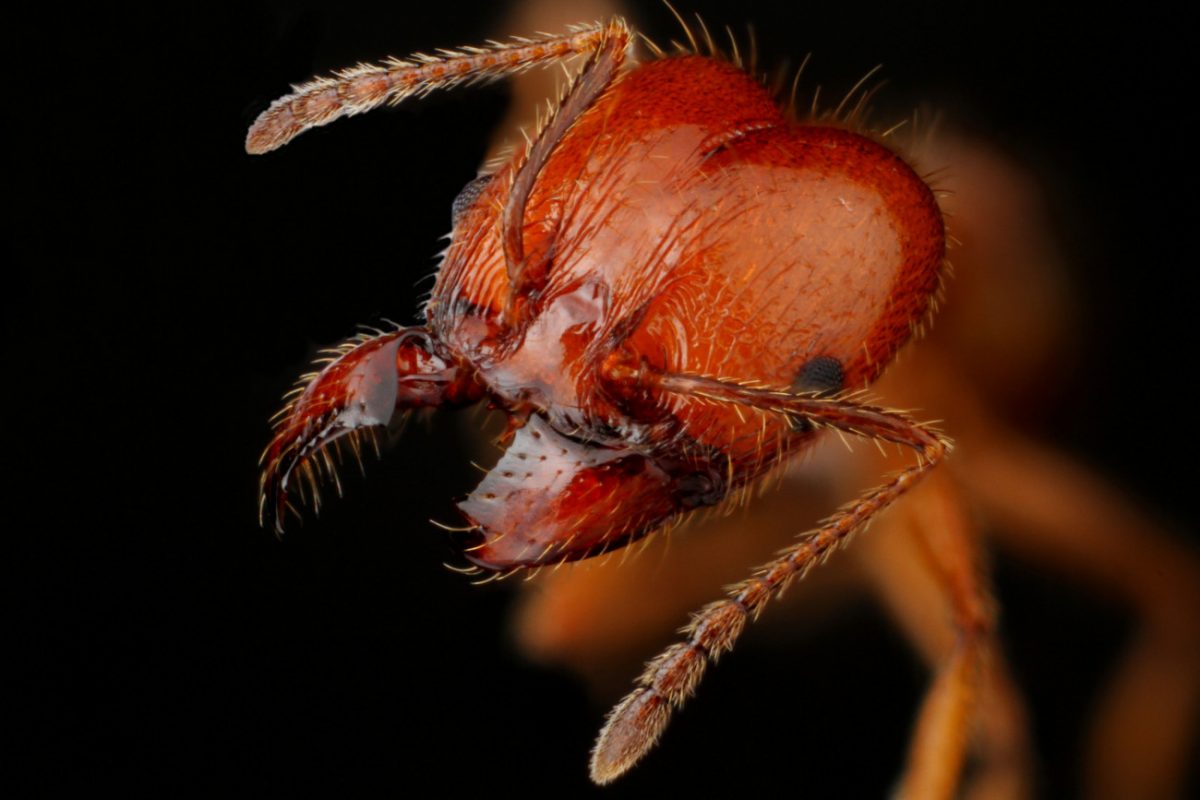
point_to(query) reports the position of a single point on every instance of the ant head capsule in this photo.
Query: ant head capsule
(666, 290)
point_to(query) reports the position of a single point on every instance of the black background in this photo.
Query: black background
(164, 289)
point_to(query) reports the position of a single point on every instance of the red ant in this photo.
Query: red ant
(671, 290)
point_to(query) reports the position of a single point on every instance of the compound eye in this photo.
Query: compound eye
(822, 375)
(467, 197)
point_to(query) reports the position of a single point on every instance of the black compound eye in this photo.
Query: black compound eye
(822, 375)
(467, 197)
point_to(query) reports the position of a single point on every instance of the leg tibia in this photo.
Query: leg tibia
(940, 740)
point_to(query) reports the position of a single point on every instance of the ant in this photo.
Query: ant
(673, 378)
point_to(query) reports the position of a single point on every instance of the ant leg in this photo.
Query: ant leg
(1056, 512)
(634, 726)
(368, 86)
(926, 568)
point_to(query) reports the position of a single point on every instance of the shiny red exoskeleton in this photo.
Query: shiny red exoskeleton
(670, 291)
